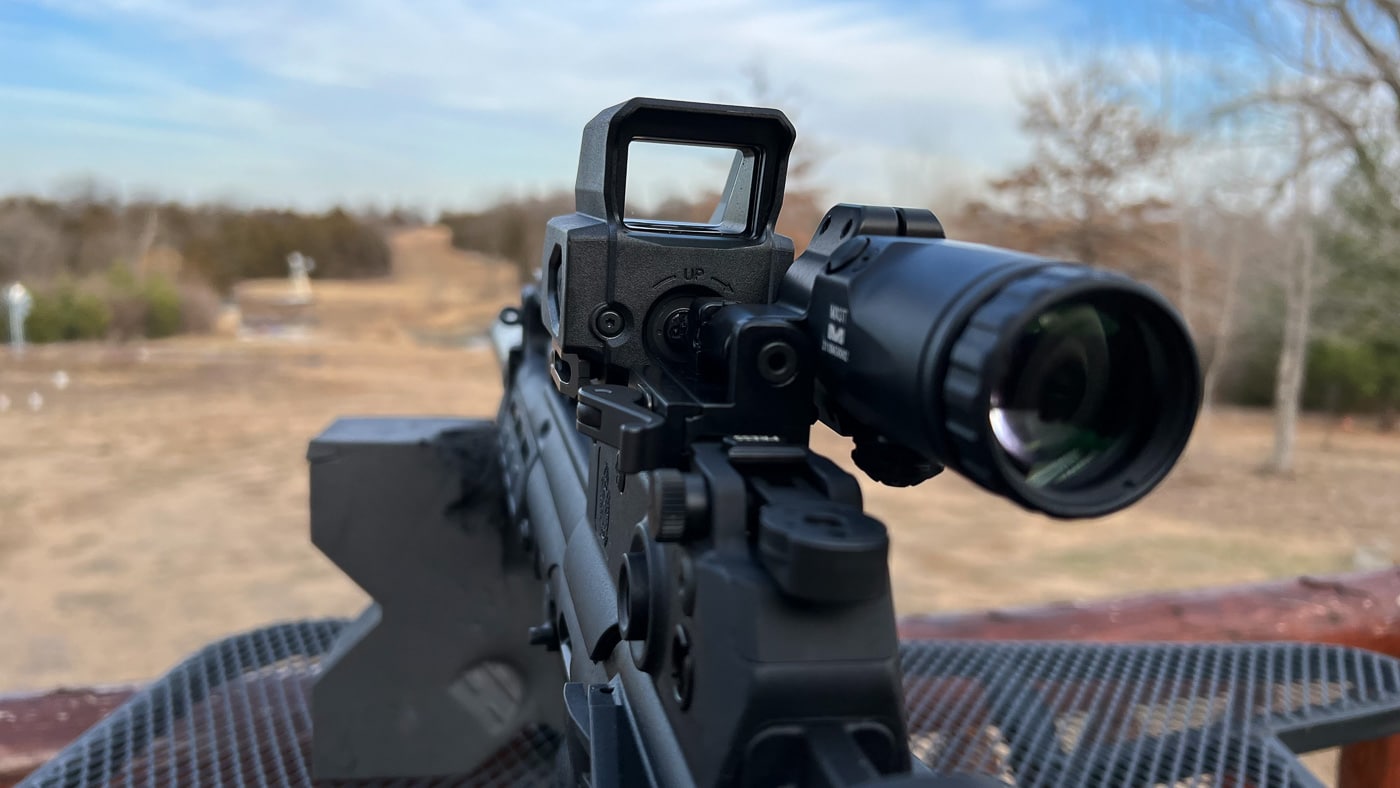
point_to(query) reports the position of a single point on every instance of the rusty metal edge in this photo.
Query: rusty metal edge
(34, 726)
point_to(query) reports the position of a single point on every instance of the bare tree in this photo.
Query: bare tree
(1338, 61)
(1185, 268)
(1093, 183)
(1334, 69)
(1170, 84)
(1298, 288)
(1299, 284)
(1232, 246)
(147, 239)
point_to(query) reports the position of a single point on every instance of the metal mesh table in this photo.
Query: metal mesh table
(1033, 714)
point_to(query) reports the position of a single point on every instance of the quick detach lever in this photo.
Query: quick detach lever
(617, 416)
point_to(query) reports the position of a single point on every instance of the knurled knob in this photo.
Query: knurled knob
(667, 514)
(678, 504)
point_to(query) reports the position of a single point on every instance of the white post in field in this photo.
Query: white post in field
(299, 268)
(18, 302)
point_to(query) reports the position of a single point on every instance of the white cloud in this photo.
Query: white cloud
(871, 86)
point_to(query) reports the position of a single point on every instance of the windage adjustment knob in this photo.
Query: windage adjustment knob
(678, 505)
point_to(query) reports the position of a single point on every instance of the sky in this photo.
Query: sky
(449, 104)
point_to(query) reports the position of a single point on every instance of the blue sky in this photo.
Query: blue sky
(452, 103)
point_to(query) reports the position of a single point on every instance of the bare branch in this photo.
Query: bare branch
(1318, 103)
(1388, 68)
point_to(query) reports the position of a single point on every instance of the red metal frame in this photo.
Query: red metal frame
(33, 728)
(1360, 610)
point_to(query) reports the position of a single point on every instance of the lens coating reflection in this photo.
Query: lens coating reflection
(1072, 398)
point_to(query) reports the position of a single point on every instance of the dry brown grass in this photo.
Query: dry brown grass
(156, 504)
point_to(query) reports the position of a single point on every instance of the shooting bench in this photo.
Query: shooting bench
(1359, 610)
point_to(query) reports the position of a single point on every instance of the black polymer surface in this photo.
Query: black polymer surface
(1033, 714)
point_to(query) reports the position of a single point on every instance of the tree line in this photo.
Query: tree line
(1262, 197)
(101, 267)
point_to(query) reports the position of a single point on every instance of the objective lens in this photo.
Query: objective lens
(1069, 401)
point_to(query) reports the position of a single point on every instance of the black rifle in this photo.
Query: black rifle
(720, 599)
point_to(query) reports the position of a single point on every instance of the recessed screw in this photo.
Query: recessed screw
(777, 363)
(608, 323)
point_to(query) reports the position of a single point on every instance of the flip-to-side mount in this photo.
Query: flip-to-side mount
(722, 575)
